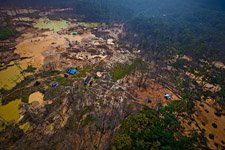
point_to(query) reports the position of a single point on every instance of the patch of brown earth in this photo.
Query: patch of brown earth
(206, 120)
(35, 47)
(154, 94)
(36, 99)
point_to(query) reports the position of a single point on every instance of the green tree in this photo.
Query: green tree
(151, 129)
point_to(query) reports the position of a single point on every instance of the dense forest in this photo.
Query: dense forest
(147, 130)
(194, 28)
(187, 29)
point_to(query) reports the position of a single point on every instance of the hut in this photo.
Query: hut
(87, 80)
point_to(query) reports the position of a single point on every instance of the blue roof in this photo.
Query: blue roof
(71, 71)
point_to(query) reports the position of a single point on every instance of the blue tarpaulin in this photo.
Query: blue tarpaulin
(71, 71)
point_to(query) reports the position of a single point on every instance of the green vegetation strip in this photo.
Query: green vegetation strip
(90, 24)
(122, 70)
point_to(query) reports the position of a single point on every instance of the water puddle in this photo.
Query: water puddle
(11, 111)
(13, 75)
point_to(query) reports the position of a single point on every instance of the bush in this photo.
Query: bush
(6, 32)
(151, 129)
(122, 142)
(87, 120)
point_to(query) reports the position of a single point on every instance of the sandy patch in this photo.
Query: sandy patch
(36, 99)
(36, 46)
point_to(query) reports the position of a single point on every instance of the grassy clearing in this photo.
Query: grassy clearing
(122, 70)
(50, 73)
(82, 72)
(54, 25)
(90, 24)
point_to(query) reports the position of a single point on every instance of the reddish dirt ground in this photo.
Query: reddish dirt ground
(154, 94)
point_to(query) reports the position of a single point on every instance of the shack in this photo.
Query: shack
(54, 84)
(87, 80)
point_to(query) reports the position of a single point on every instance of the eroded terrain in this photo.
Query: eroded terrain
(44, 103)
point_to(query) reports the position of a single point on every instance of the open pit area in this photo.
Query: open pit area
(42, 100)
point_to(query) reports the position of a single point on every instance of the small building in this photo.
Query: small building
(71, 71)
(66, 75)
(87, 80)
(54, 84)
(168, 96)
